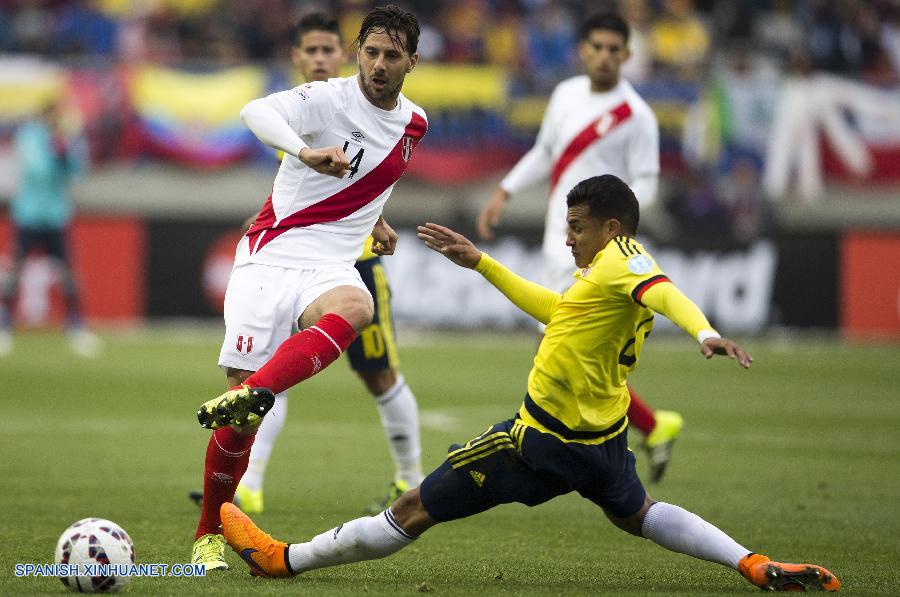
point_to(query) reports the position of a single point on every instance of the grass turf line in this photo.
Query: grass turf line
(795, 458)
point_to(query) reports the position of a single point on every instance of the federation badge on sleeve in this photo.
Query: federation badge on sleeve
(640, 264)
(407, 148)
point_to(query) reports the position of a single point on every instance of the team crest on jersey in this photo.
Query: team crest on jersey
(407, 148)
(640, 264)
(244, 345)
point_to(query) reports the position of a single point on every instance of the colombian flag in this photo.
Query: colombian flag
(26, 85)
(194, 118)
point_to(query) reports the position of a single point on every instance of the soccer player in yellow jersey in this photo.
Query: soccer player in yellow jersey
(569, 435)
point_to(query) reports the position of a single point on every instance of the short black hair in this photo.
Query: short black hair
(314, 21)
(608, 21)
(607, 196)
(393, 20)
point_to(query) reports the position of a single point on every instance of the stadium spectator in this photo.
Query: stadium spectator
(464, 31)
(638, 15)
(681, 42)
(503, 45)
(700, 217)
(51, 154)
(82, 29)
(550, 39)
(890, 37)
(741, 191)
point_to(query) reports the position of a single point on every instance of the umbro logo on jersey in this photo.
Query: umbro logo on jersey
(357, 135)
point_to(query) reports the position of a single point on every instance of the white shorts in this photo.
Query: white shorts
(264, 302)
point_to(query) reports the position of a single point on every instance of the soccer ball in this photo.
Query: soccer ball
(95, 542)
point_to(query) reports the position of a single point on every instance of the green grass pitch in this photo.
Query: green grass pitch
(797, 458)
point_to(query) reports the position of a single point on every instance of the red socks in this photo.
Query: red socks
(227, 456)
(639, 414)
(299, 357)
(304, 354)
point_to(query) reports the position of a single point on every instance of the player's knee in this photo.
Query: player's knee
(410, 513)
(359, 312)
(633, 524)
(379, 382)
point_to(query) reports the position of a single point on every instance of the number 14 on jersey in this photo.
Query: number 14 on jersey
(354, 162)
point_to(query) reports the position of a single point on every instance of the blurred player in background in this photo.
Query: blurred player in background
(570, 433)
(594, 124)
(346, 143)
(318, 52)
(51, 155)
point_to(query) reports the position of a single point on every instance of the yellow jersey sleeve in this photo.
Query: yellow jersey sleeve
(629, 271)
(671, 302)
(532, 298)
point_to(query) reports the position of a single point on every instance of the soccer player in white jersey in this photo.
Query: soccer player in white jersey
(595, 123)
(318, 52)
(346, 143)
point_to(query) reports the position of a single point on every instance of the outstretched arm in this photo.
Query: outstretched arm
(667, 299)
(533, 299)
(532, 168)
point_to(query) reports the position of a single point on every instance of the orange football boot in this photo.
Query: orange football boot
(265, 555)
(775, 576)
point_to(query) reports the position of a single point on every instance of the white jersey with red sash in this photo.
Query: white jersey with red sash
(313, 219)
(584, 134)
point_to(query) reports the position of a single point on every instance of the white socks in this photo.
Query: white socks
(367, 538)
(400, 420)
(399, 417)
(266, 436)
(678, 530)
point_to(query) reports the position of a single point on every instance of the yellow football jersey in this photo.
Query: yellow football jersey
(594, 339)
(594, 336)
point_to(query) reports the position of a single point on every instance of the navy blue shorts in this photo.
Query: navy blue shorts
(511, 462)
(52, 242)
(375, 349)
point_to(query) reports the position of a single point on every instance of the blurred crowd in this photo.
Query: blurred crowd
(732, 56)
(533, 38)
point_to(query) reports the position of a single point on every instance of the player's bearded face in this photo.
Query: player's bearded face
(603, 53)
(383, 65)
